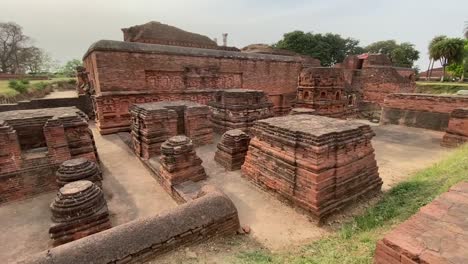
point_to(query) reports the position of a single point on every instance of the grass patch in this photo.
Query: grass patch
(6, 90)
(440, 87)
(355, 241)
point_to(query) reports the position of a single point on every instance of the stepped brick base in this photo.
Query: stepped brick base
(318, 163)
(232, 149)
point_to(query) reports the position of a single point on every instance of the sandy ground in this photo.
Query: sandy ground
(61, 94)
(130, 189)
(132, 193)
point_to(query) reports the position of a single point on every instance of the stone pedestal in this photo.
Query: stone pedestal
(232, 149)
(239, 109)
(179, 162)
(318, 163)
(78, 169)
(79, 210)
(457, 131)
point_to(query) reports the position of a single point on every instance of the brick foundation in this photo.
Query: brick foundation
(457, 131)
(238, 109)
(433, 235)
(37, 141)
(318, 163)
(421, 110)
(154, 123)
(232, 149)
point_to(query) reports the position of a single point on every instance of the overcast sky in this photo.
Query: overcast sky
(66, 28)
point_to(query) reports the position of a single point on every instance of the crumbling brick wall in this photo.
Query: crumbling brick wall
(457, 131)
(421, 110)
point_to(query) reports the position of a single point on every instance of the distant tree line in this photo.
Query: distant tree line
(331, 48)
(17, 54)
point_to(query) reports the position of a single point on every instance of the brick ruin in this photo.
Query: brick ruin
(323, 90)
(421, 110)
(77, 170)
(436, 234)
(158, 62)
(238, 109)
(318, 163)
(79, 210)
(179, 163)
(232, 148)
(158, 33)
(33, 143)
(154, 123)
(457, 130)
(374, 77)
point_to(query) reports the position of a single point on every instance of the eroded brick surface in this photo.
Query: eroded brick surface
(436, 234)
(457, 130)
(32, 145)
(232, 149)
(318, 163)
(154, 123)
(238, 109)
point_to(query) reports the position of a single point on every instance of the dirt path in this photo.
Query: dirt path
(61, 94)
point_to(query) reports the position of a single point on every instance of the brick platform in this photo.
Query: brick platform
(436, 234)
(79, 210)
(232, 149)
(238, 109)
(179, 163)
(154, 123)
(33, 143)
(318, 163)
(77, 170)
(457, 131)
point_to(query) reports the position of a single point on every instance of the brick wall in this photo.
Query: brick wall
(457, 130)
(122, 73)
(421, 110)
(377, 82)
(212, 214)
(81, 102)
(27, 183)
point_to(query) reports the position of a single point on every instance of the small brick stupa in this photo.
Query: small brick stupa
(179, 162)
(318, 163)
(232, 149)
(79, 210)
(239, 109)
(78, 169)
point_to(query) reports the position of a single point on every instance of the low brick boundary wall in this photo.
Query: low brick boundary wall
(212, 214)
(27, 183)
(81, 102)
(436, 234)
(420, 110)
(457, 131)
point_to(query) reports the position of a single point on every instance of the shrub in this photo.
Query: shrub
(24, 81)
(40, 85)
(18, 86)
(72, 81)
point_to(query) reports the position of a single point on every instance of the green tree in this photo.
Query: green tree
(328, 48)
(448, 51)
(431, 45)
(401, 55)
(69, 68)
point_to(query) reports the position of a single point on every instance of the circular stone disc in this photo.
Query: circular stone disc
(75, 187)
(179, 140)
(74, 162)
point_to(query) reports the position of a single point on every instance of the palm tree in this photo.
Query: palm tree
(465, 30)
(447, 51)
(433, 42)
